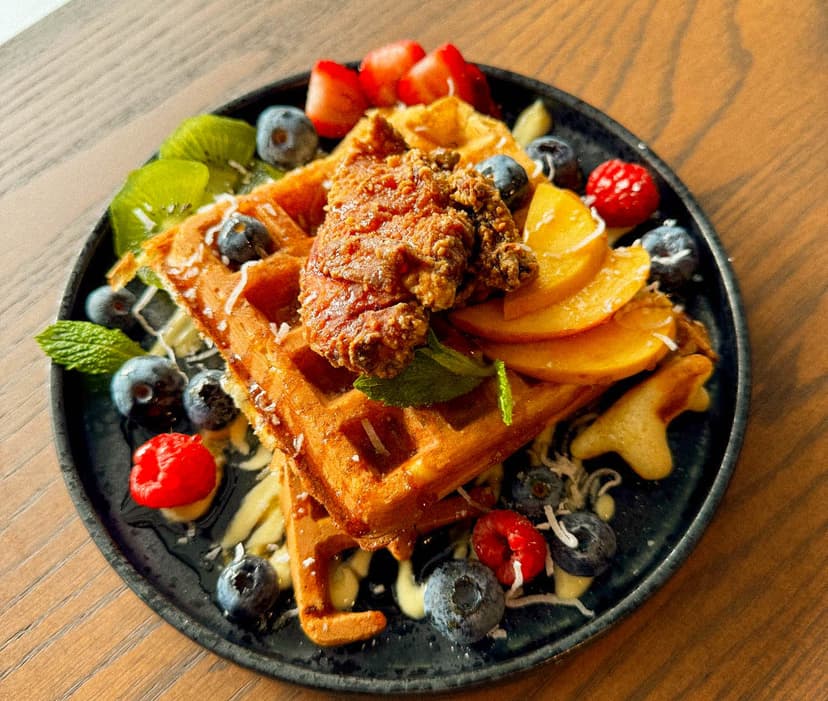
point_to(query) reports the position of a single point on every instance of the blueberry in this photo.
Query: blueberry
(110, 308)
(247, 589)
(534, 489)
(285, 137)
(148, 389)
(558, 161)
(596, 545)
(674, 256)
(464, 600)
(509, 178)
(206, 403)
(244, 238)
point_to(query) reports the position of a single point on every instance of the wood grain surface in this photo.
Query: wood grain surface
(731, 94)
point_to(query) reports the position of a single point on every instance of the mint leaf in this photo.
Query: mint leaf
(87, 347)
(453, 360)
(438, 373)
(423, 382)
(504, 392)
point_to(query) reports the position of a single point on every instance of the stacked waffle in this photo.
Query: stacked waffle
(378, 475)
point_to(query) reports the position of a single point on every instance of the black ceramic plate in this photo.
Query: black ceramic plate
(657, 524)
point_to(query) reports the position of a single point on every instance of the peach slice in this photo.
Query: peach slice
(635, 339)
(570, 245)
(623, 274)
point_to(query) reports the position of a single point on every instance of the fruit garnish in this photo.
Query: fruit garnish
(508, 176)
(259, 173)
(382, 68)
(247, 589)
(87, 347)
(243, 238)
(482, 99)
(623, 274)
(171, 469)
(436, 374)
(110, 308)
(149, 389)
(507, 542)
(557, 160)
(532, 490)
(206, 403)
(463, 600)
(638, 336)
(624, 194)
(674, 256)
(593, 549)
(285, 137)
(225, 145)
(570, 245)
(335, 101)
(155, 197)
(441, 72)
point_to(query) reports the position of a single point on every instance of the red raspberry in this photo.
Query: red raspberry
(171, 469)
(625, 194)
(502, 537)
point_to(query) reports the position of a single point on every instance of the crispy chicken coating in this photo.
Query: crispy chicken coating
(405, 234)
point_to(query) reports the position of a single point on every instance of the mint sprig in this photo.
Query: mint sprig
(437, 374)
(87, 347)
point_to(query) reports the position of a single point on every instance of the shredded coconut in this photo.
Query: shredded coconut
(515, 589)
(280, 332)
(239, 288)
(558, 529)
(210, 234)
(667, 341)
(142, 217)
(548, 599)
(376, 442)
(477, 505)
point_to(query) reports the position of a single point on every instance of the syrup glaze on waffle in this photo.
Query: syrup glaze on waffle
(376, 469)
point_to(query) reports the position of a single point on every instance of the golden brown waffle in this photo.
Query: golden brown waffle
(314, 539)
(376, 469)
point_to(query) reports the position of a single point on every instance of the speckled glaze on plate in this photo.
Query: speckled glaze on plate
(658, 523)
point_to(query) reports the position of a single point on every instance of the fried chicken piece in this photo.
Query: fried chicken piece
(405, 234)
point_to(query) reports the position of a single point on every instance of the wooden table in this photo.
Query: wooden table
(731, 94)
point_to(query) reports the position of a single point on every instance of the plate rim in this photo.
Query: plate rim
(288, 671)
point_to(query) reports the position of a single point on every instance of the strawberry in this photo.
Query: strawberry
(624, 194)
(482, 96)
(442, 72)
(382, 68)
(502, 538)
(171, 469)
(335, 101)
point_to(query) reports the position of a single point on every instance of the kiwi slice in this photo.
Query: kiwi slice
(259, 173)
(155, 197)
(225, 145)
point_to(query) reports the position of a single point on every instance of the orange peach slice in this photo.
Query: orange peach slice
(570, 245)
(623, 274)
(635, 339)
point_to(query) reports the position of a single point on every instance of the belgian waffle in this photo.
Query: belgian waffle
(376, 469)
(314, 539)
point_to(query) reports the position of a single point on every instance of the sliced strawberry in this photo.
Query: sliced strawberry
(482, 95)
(335, 101)
(440, 73)
(382, 68)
